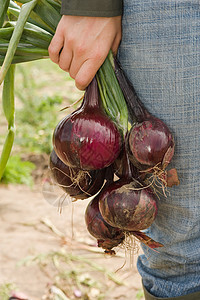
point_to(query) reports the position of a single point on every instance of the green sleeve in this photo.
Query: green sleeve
(92, 8)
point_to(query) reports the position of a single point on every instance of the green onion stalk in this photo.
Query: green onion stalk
(111, 94)
(9, 111)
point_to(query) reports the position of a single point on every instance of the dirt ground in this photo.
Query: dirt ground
(30, 225)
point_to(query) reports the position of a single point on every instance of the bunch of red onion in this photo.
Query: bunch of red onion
(96, 155)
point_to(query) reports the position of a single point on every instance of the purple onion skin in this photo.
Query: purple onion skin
(150, 141)
(145, 239)
(125, 205)
(88, 184)
(106, 235)
(150, 144)
(88, 139)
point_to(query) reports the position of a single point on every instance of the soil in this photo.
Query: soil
(31, 225)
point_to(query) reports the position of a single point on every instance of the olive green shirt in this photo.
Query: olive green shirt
(92, 8)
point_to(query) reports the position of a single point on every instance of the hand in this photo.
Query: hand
(81, 44)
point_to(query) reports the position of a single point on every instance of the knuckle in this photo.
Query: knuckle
(72, 75)
(80, 49)
(63, 67)
(70, 41)
(52, 50)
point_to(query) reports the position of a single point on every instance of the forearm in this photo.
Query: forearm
(92, 8)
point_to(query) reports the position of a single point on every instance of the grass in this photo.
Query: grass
(18, 171)
(6, 289)
(140, 295)
(76, 275)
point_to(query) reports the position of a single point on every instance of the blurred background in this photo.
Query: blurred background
(45, 250)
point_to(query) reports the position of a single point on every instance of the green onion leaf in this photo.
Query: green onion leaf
(111, 94)
(9, 111)
(3, 10)
(23, 16)
(8, 97)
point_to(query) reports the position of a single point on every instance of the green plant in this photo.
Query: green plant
(5, 290)
(34, 124)
(18, 171)
(37, 114)
(38, 13)
(9, 112)
(140, 294)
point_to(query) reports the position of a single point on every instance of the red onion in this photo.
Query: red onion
(88, 138)
(106, 235)
(150, 142)
(77, 183)
(128, 205)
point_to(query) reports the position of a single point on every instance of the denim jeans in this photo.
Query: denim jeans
(160, 53)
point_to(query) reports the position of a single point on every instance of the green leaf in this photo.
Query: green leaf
(6, 33)
(140, 294)
(21, 58)
(26, 50)
(8, 96)
(37, 38)
(47, 11)
(29, 36)
(49, 15)
(111, 94)
(9, 111)
(7, 147)
(13, 4)
(18, 171)
(23, 16)
(3, 10)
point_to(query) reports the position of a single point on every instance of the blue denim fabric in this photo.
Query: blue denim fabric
(160, 53)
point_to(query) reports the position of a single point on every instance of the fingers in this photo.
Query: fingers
(76, 63)
(55, 47)
(65, 58)
(87, 72)
(84, 71)
(81, 44)
(85, 64)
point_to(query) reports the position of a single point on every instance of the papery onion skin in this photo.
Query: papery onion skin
(150, 144)
(88, 139)
(106, 235)
(75, 182)
(128, 206)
